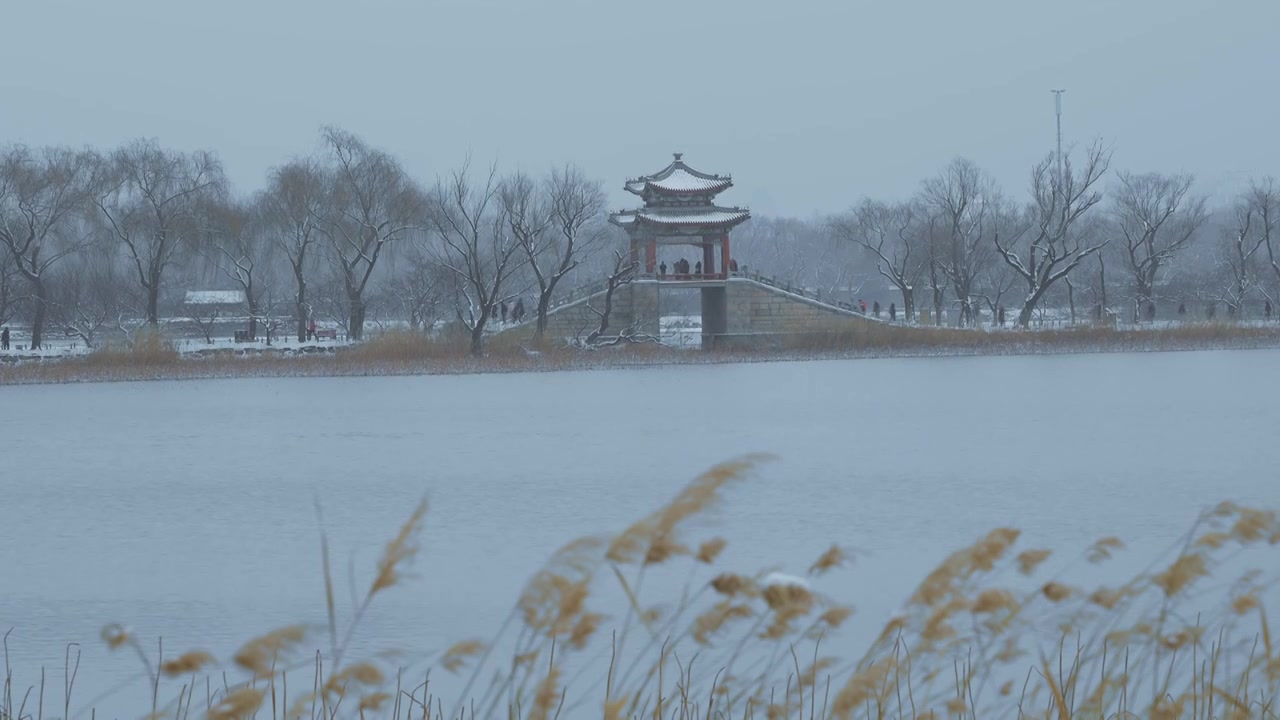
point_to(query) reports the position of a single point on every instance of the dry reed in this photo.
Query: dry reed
(970, 640)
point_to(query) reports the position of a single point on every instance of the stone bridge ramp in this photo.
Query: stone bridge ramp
(742, 310)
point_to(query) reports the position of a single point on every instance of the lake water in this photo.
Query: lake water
(185, 509)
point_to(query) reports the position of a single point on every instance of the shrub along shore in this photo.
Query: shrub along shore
(407, 353)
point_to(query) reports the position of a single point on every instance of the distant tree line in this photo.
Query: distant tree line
(105, 241)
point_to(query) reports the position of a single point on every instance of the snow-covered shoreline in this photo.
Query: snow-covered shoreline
(325, 362)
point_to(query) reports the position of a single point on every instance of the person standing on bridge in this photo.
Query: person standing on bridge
(662, 269)
(697, 268)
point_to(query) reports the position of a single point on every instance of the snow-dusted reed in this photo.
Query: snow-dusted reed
(995, 630)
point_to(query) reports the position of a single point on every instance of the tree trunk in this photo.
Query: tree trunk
(1145, 291)
(938, 296)
(41, 309)
(477, 336)
(300, 308)
(253, 320)
(1029, 307)
(908, 305)
(544, 303)
(1102, 288)
(153, 301)
(355, 317)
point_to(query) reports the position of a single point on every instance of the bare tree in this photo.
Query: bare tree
(1264, 199)
(42, 196)
(205, 321)
(934, 264)
(1049, 244)
(1157, 217)
(962, 197)
(84, 297)
(151, 198)
(1240, 240)
(240, 251)
(476, 245)
(996, 281)
(371, 203)
(420, 289)
(8, 290)
(624, 271)
(291, 208)
(890, 233)
(555, 227)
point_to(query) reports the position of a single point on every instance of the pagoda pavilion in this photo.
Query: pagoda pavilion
(679, 209)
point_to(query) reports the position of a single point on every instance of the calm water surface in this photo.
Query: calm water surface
(185, 509)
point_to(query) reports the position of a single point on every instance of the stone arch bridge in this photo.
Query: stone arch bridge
(740, 310)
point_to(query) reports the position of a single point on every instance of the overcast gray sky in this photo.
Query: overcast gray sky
(809, 103)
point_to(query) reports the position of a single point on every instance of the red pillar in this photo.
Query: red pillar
(651, 256)
(724, 254)
(708, 259)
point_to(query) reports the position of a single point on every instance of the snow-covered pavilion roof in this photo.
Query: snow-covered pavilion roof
(214, 297)
(713, 216)
(678, 178)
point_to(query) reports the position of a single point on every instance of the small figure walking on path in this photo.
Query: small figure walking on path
(1182, 309)
(1001, 314)
(893, 312)
(503, 307)
(875, 308)
(4, 339)
(311, 330)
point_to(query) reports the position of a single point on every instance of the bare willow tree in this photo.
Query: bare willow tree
(1264, 199)
(291, 209)
(890, 233)
(963, 198)
(371, 203)
(574, 209)
(1049, 243)
(151, 198)
(239, 249)
(85, 297)
(43, 194)
(1157, 217)
(475, 245)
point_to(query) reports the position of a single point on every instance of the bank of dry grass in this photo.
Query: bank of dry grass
(407, 353)
(896, 338)
(994, 631)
